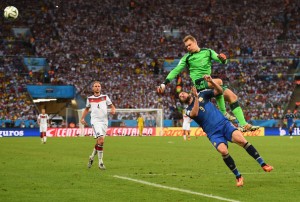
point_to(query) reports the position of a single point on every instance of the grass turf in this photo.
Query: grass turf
(57, 171)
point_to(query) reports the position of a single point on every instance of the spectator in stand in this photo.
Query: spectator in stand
(58, 31)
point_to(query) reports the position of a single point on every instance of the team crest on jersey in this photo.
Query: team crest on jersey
(200, 99)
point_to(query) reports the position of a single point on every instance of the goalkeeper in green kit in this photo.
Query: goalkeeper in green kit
(199, 62)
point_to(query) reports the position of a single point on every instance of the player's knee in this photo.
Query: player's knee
(218, 81)
(222, 149)
(100, 140)
(238, 138)
(230, 96)
(223, 152)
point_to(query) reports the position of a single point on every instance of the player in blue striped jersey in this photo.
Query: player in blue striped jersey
(290, 121)
(219, 130)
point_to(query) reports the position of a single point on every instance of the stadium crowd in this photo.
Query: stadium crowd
(124, 45)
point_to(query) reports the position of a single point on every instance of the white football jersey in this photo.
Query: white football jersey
(186, 125)
(186, 119)
(98, 107)
(43, 119)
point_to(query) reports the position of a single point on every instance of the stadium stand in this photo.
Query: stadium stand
(124, 45)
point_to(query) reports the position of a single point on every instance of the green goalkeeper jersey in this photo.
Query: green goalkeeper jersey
(199, 64)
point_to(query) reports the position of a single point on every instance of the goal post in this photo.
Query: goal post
(152, 118)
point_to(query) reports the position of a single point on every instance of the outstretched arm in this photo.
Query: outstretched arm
(221, 58)
(177, 70)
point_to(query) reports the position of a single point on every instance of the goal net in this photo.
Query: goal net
(124, 122)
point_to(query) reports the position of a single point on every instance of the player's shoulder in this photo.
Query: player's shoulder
(104, 96)
(205, 49)
(185, 56)
(206, 91)
(206, 94)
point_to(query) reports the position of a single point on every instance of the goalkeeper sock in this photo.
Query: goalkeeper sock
(221, 103)
(254, 153)
(238, 113)
(231, 165)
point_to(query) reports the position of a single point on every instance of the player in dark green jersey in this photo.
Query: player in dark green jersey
(199, 61)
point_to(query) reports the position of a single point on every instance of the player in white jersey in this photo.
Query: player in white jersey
(186, 125)
(43, 120)
(97, 104)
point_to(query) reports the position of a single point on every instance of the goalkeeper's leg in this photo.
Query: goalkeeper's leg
(221, 101)
(237, 111)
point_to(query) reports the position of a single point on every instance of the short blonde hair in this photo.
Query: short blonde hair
(95, 83)
(189, 37)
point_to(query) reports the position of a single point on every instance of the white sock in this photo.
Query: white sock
(184, 137)
(93, 153)
(100, 156)
(45, 138)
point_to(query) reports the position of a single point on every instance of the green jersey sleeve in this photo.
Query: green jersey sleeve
(177, 70)
(214, 56)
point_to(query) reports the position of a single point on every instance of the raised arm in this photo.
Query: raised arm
(172, 75)
(195, 109)
(217, 88)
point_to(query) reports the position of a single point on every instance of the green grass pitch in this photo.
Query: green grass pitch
(57, 171)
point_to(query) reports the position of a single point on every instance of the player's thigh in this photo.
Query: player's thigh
(218, 138)
(230, 96)
(99, 129)
(186, 126)
(218, 81)
(43, 128)
(100, 140)
(222, 148)
(238, 138)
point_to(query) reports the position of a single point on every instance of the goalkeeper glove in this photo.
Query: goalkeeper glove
(161, 88)
(222, 57)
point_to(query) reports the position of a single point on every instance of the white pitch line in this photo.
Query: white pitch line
(229, 173)
(175, 189)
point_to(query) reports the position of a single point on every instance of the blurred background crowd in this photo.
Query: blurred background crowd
(124, 44)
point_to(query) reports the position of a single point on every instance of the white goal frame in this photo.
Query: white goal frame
(159, 119)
